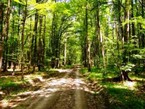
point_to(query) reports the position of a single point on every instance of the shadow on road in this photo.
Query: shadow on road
(69, 91)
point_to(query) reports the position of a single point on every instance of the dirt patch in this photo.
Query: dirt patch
(68, 92)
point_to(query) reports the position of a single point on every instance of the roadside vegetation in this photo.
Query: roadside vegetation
(122, 94)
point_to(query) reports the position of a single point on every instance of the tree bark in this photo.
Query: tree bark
(65, 51)
(126, 35)
(132, 15)
(43, 39)
(22, 38)
(1, 20)
(5, 34)
(34, 43)
(98, 33)
(1, 28)
(40, 47)
(143, 35)
(1, 52)
(86, 47)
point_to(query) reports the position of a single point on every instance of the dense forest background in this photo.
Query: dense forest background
(101, 33)
(100, 41)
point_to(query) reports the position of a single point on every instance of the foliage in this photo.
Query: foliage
(127, 67)
(124, 98)
(9, 84)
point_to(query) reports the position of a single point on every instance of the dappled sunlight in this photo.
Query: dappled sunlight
(4, 103)
(52, 90)
(137, 78)
(63, 70)
(124, 85)
(31, 82)
(16, 70)
(55, 88)
(119, 86)
(33, 78)
(41, 78)
(58, 82)
(67, 83)
(131, 85)
(78, 82)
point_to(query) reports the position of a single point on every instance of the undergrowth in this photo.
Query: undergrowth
(122, 95)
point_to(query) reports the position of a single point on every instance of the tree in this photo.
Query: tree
(1, 28)
(22, 37)
(5, 34)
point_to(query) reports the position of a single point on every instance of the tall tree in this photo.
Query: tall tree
(87, 62)
(1, 28)
(22, 37)
(5, 33)
(34, 42)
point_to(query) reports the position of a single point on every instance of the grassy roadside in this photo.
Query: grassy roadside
(11, 85)
(122, 95)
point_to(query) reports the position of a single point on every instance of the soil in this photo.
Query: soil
(70, 91)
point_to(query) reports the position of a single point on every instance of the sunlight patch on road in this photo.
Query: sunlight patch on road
(30, 78)
(4, 103)
(79, 92)
(58, 82)
(41, 78)
(63, 70)
(53, 87)
(68, 82)
(31, 82)
(78, 82)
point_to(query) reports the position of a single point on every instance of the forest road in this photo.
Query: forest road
(68, 92)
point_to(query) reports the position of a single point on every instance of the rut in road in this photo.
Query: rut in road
(68, 92)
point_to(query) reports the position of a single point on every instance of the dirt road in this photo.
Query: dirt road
(71, 91)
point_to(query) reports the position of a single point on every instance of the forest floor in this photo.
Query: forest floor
(66, 90)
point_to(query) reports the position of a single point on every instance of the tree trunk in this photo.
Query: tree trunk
(34, 44)
(1, 28)
(40, 47)
(126, 30)
(53, 42)
(1, 52)
(65, 51)
(22, 39)
(1, 20)
(98, 33)
(43, 39)
(124, 76)
(132, 15)
(126, 35)
(86, 52)
(126, 18)
(5, 34)
(143, 35)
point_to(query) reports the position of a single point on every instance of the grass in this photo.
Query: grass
(10, 85)
(6, 82)
(125, 95)
(125, 99)
(84, 70)
(13, 84)
(122, 95)
(94, 76)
